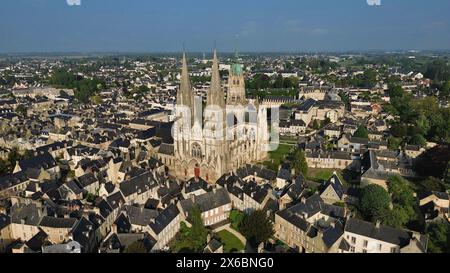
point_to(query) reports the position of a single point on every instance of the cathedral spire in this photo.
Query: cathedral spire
(185, 94)
(216, 95)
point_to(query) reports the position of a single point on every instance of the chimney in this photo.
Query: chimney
(192, 198)
(378, 223)
(303, 200)
(114, 228)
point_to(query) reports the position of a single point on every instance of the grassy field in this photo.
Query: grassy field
(277, 157)
(230, 242)
(320, 175)
(288, 140)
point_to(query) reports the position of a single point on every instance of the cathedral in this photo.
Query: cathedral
(230, 132)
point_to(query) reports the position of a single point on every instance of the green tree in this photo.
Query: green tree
(439, 237)
(404, 202)
(361, 132)
(136, 247)
(433, 162)
(257, 227)
(96, 99)
(316, 125)
(418, 140)
(21, 110)
(199, 232)
(433, 184)
(394, 143)
(374, 202)
(299, 163)
(400, 191)
(396, 217)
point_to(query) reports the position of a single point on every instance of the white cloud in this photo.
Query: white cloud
(73, 2)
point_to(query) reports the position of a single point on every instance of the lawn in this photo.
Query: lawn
(277, 157)
(230, 242)
(320, 175)
(288, 140)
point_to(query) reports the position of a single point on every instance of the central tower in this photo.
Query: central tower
(236, 84)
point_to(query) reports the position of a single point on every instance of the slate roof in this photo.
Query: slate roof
(164, 219)
(53, 222)
(207, 201)
(11, 179)
(30, 214)
(336, 184)
(140, 216)
(123, 224)
(87, 180)
(383, 233)
(37, 241)
(166, 149)
(83, 231)
(139, 184)
(43, 160)
(5, 220)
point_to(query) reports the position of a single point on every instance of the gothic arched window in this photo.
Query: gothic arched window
(196, 151)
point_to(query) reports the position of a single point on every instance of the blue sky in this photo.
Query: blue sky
(255, 25)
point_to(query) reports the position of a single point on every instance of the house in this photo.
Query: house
(311, 226)
(434, 205)
(5, 232)
(213, 246)
(43, 160)
(413, 151)
(89, 183)
(195, 186)
(332, 131)
(15, 183)
(215, 206)
(331, 160)
(333, 190)
(283, 177)
(292, 192)
(165, 226)
(140, 188)
(352, 144)
(119, 242)
(25, 219)
(139, 217)
(69, 247)
(84, 234)
(57, 229)
(365, 237)
(377, 167)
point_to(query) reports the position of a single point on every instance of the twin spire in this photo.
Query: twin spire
(185, 95)
(215, 96)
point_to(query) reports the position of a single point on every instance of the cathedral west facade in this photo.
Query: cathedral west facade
(230, 132)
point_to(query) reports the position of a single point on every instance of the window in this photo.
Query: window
(393, 249)
(364, 250)
(365, 243)
(352, 249)
(353, 240)
(379, 247)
